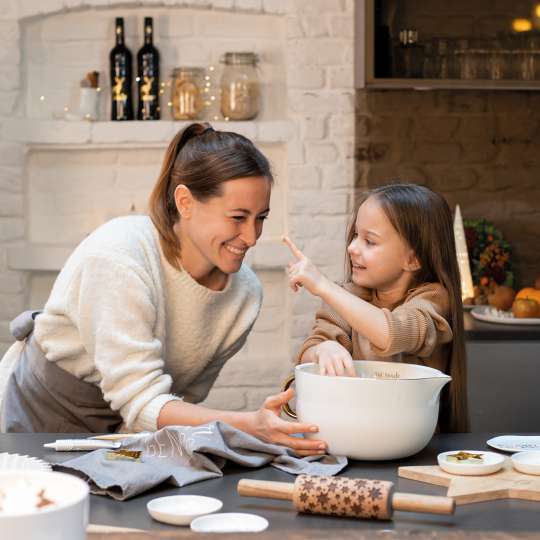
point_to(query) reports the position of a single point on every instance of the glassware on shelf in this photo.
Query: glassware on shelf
(446, 61)
(471, 58)
(409, 55)
(430, 60)
(527, 57)
(186, 93)
(498, 61)
(240, 86)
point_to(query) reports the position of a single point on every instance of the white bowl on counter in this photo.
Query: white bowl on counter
(65, 518)
(491, 463)
(388, 411)
(182, 509)
(527, 462)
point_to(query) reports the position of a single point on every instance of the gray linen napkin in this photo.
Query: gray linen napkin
(182, 455)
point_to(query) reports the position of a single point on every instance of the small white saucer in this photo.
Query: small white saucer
(182, 509)
(492, 462)
(526, 462)
(229, 523)
(515, 443)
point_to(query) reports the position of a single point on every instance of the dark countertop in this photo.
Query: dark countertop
(476, 330)
(511, 517)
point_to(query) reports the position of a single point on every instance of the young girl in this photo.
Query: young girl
(401, 300)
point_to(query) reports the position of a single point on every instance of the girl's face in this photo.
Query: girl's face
(380, 258)
(218, 232)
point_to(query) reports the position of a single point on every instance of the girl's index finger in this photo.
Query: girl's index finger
(295, 251)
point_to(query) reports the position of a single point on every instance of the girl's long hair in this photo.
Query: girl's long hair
(201, 159)
(424, 220)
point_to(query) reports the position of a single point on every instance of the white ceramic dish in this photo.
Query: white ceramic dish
(490, 314)
(492, 463)
(515, 443)
(468, 307)
(229, 523)
(182, 509)
(12, 462)
(527, 462)
(65, 519)
(388, 411)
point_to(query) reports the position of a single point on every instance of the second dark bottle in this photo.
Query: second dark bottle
(148, 76)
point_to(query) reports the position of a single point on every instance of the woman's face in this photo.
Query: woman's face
(219, 231)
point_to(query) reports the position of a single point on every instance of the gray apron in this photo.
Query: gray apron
(42, 397)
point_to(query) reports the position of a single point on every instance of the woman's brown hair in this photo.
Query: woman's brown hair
(201, 159)
(424, 220)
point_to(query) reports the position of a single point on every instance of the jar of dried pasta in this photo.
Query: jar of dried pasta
(187, 92)
(240, 87)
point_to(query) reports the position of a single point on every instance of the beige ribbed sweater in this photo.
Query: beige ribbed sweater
(122, 318)
(418, 327)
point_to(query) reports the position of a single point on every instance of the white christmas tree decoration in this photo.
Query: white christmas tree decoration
(462, 256)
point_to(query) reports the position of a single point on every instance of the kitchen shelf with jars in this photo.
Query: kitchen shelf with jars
(84, 135)
(138, 96)
(397, 53)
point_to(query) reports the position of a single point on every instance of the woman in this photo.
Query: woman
(147, 310)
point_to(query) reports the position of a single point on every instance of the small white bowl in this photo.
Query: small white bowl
(492, 463)
(229, 523)
(182, 509)
(65, 519)
(527, 462)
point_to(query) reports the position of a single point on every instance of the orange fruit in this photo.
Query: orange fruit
(525, 308)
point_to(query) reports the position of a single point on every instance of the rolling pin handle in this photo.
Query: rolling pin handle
(265, 489)
(430, 504)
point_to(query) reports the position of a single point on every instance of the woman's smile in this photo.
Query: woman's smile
(239, 252)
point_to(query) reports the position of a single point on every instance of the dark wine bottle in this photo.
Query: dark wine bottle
(121, 77)
(148, 76)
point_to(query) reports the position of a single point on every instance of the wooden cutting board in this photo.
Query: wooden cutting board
(505, 484)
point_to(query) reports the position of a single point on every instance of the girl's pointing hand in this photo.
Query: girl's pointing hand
(303, 273)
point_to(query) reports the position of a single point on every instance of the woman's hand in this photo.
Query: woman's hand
(333, 359)
(265, 424)
(303, 273)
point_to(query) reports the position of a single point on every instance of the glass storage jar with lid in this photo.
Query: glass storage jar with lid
(187, 92)
(240, 86)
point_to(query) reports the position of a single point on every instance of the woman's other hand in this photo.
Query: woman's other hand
(266, 425)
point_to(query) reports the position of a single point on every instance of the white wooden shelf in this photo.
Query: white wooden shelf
(62, 134)
(269, 254)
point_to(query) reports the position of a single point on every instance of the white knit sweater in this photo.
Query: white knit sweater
(121, 317)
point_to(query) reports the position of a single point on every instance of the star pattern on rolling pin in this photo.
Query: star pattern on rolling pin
(343, 497)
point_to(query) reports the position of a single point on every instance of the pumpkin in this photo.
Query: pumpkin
(529, 292)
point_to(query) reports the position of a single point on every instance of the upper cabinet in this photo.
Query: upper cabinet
(430, 44)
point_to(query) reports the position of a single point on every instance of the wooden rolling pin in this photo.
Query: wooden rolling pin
(351, 497)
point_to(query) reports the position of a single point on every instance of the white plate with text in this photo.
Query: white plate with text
(515, 443)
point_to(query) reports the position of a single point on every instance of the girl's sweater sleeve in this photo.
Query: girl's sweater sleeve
(329, 326)
(419, 324)
(114, 308)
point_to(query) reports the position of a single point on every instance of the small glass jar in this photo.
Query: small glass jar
(186, 93)
(409, 55)
(240, 87)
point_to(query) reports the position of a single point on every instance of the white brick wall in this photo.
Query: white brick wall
(57, 196)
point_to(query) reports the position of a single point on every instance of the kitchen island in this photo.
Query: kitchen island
(503, 376)
(514, 518)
